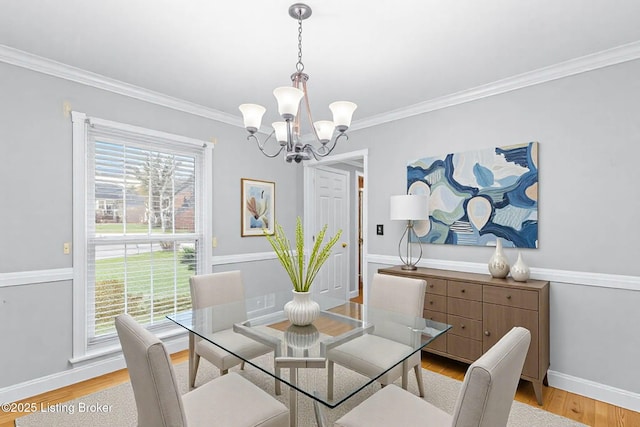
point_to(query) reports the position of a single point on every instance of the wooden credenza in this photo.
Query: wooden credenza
(481, 309)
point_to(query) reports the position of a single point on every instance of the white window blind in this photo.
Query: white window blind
(144, 227)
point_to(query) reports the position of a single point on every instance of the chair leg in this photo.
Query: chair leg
(224, 372)
(418, 370)
(277, 386)
(242, 365)
(405, 375)
(330, 380)
(193, 371)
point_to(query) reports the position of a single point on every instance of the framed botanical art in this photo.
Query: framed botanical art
(257, 207)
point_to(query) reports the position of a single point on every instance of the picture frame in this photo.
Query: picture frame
(257, 207)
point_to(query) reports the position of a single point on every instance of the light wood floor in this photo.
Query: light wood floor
(576, 407)
(582, 409)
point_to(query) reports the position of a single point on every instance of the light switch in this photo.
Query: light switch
(214, 242)
(66, 248)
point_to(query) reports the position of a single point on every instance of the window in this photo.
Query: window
(141, 220)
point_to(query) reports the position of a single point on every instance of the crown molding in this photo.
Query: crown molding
(594, 61)
(57, 69)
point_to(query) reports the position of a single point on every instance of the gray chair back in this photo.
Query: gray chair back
(224, 289)
(395, 303)
(491, 381)
(156, 392)
(399, 294)
(216, 288)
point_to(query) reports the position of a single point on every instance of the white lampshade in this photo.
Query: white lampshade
(252, 115)
(409, 207)
(324, 128)
(288, 98)
(281, 131)
(342, 112)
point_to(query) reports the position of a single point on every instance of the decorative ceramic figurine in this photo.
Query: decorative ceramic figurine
(520, 270)
(498, 263)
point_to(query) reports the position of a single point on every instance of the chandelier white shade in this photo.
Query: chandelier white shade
(287, 133)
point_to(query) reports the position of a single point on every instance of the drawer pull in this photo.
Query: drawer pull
(431, 285)
(431, 302)
(462, 290)
(487, 333)
(462, 326)
(508, 296)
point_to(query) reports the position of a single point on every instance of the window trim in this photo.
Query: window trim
(80, 124)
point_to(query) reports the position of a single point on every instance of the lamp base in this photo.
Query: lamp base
(409, 267)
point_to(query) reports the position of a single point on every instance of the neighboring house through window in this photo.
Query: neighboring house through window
(140, 227)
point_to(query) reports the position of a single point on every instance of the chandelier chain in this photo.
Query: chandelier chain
(299, 64)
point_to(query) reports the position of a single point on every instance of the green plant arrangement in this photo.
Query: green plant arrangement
(301, 274)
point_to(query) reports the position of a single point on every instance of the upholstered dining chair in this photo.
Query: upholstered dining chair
(369, 354)
(485, 399)
(214, 289)
(229, 401)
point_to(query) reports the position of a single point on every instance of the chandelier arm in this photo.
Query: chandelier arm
(324, 151)
(261, 145)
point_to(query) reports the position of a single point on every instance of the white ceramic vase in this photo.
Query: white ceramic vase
(302, 310)
(520, 270)
(302, 337)
(499, 263)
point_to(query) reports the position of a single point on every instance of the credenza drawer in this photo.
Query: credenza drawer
(518, 298)
(464, 308)
(436, 286)
(436, 316)
(470, 291)
(435, 302)
(439, 344)
(465, 327)
(465, 348)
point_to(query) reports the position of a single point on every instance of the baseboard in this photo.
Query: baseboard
(594, 390)
(76, 374)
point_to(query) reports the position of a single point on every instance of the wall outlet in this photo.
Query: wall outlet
(66, 109)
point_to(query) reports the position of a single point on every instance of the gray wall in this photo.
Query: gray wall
(589, 133)
(36, 205)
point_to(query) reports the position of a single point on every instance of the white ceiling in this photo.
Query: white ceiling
(384, 55)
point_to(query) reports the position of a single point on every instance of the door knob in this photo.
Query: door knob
(344, 245)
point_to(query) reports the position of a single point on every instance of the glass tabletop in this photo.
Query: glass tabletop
(299, 357)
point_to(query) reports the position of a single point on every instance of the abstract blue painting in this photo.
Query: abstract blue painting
(477, 196)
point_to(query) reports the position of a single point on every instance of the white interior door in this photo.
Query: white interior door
(332, 208)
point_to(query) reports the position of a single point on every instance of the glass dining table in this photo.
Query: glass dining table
(299, 357)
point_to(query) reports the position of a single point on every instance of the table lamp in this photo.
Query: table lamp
(409, 207)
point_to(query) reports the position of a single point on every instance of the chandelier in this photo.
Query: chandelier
(287, 133)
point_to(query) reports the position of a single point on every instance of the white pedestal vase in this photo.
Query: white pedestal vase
(302, 310)
(520, 270)
(499, 263)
